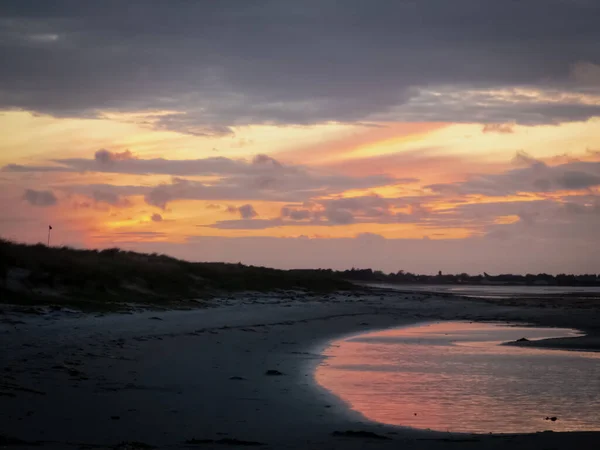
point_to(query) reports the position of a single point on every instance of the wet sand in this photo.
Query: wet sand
(235, 374)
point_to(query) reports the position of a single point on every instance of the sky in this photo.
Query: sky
(425, 135)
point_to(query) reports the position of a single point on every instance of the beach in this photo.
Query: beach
(237, 372)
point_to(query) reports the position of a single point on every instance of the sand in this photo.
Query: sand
(162, 379)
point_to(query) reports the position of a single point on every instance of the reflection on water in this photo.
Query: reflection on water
(454, 376)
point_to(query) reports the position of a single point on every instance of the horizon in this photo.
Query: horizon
(484, 273)
(393, 136)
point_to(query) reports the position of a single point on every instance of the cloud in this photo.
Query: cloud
(366, 206)
(156, 218)
(586, 73)
(296, 213)
(110, 198)
(370, 238)
(524, 159)
(265, 159)
(103, 156)
(247, 211)
(105, 161)
(40, 198)
(109, 163)
(578, 180)
(353, 61)
(143, 235)
(339, 216)
(20, 168)
(520, 104)
(536, 176)
(262, 178)
(502, 128)
(245, 224)
(334, 212)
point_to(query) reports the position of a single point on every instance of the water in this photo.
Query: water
(454, 376)
(497, 291)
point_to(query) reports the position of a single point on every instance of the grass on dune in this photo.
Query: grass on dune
(37, 273)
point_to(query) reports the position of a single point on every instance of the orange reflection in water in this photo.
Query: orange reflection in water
(454, 376)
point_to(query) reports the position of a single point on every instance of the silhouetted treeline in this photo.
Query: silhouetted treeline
(37, 273)
(540, 279)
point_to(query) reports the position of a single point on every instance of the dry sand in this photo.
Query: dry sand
(87, 381)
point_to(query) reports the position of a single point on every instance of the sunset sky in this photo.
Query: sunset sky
(429, 135)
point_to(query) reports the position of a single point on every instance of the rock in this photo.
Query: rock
(237, 378)
(359, 434)
(225, 441)
(154, 318)
(273, 372)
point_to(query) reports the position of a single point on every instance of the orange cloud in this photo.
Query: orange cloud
(328, 152)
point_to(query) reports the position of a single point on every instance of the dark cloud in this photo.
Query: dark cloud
(20, 168)
(232, 62)
(527, 105)
(536, 176)
(40, 198)
(296, 213)
(247, 211)
(135, 234)
(103, 156)
(339, 216)
(108, 162)
(156, 217)
(578, 180)
(337, 211)
(366, 206)
(105, 161)
(245, 224)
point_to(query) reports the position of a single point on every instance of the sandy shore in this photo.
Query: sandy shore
(186, 379)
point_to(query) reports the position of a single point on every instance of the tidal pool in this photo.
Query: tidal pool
(455, 376)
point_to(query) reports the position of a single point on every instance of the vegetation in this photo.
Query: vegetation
(368, 275)
(104, 279)
(40, 274)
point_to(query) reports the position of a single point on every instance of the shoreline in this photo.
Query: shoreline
(174, 376)
(583, 343)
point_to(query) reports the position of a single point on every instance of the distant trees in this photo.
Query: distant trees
(402, 276)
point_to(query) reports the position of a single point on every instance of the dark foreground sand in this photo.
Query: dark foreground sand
(161, 379)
